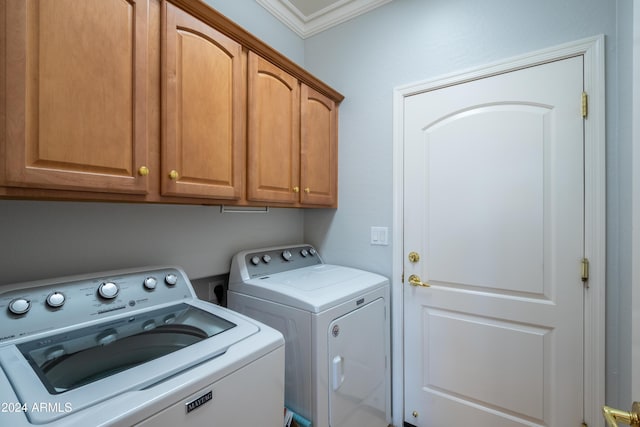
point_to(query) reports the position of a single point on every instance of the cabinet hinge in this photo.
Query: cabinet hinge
(402, 277)
(585, 105)
(584, 274)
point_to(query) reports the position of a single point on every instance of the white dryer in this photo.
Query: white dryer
(336, 325)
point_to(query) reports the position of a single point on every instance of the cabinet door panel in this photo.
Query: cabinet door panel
(203, 110)
(274, 133)
(76, 105)
(319, 145)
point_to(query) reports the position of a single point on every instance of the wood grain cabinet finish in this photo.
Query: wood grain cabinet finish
(292, 139)
(319, 149)
(76, 100)
(203, 110)
(162, 101)
(273, 169)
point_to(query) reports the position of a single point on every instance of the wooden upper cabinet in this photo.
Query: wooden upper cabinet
(76, 94)
(203, 110)
(273, 133)
(292, 139)
(319, 149)
(157, 101)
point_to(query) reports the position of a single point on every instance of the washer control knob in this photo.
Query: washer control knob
(266, 258)
(312, 251)
(54, 352)
(304, 253)
(108, 290)
(19, 306)
(55, 299)
(287, 255)
(150, 283)
(107, 337)
(149, 325)
(255, 260)
(171, 279)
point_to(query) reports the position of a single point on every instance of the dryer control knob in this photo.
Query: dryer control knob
(150, 283)
(312, 251)
(108, 290)
(255, 260)
(304, 253)
(55, 299)
(266, 259)
(287, 255)
(171, 279)
(19, 306)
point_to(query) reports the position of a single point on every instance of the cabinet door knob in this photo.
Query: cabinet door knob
(173, 174)
(143, 171)
(296, 189)
(307, 190)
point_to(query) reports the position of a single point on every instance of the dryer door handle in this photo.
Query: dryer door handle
(338, 372)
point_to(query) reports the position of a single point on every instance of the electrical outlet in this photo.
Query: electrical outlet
(212, 288)
(216, 290)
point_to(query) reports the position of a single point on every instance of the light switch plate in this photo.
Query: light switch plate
(380, 236)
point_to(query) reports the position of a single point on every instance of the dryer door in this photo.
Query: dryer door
(357, 367)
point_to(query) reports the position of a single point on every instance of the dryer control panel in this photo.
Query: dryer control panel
(263, 262)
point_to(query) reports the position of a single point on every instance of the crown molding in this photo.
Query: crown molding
(308, 25)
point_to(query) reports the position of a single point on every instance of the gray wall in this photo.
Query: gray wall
(407, 41)
(255, 19)
(48, 239)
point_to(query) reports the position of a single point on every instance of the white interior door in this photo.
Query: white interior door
(494, 207)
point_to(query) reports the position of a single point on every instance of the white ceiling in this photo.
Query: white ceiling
(309, 17)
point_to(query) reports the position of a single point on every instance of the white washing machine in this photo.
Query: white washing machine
(133, 347)
(336, 325)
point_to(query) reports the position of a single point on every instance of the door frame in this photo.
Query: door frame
(592, 49)
(635, 212)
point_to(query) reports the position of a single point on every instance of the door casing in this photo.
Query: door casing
(635, 215)
(595, 206)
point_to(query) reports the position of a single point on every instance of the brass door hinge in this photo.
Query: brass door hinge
(585, 105)
(584, 275)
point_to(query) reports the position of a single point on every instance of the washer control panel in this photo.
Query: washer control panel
(44, 305)
(264, 262)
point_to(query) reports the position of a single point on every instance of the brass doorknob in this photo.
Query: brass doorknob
(307, 190)
(143, 171)
(296, 189)
(414, 257)
(414, 280)
(173, 174)
(612, 416)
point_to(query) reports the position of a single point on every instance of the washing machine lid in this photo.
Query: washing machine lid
(69, 360)
(83, 366)
(315, 288)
